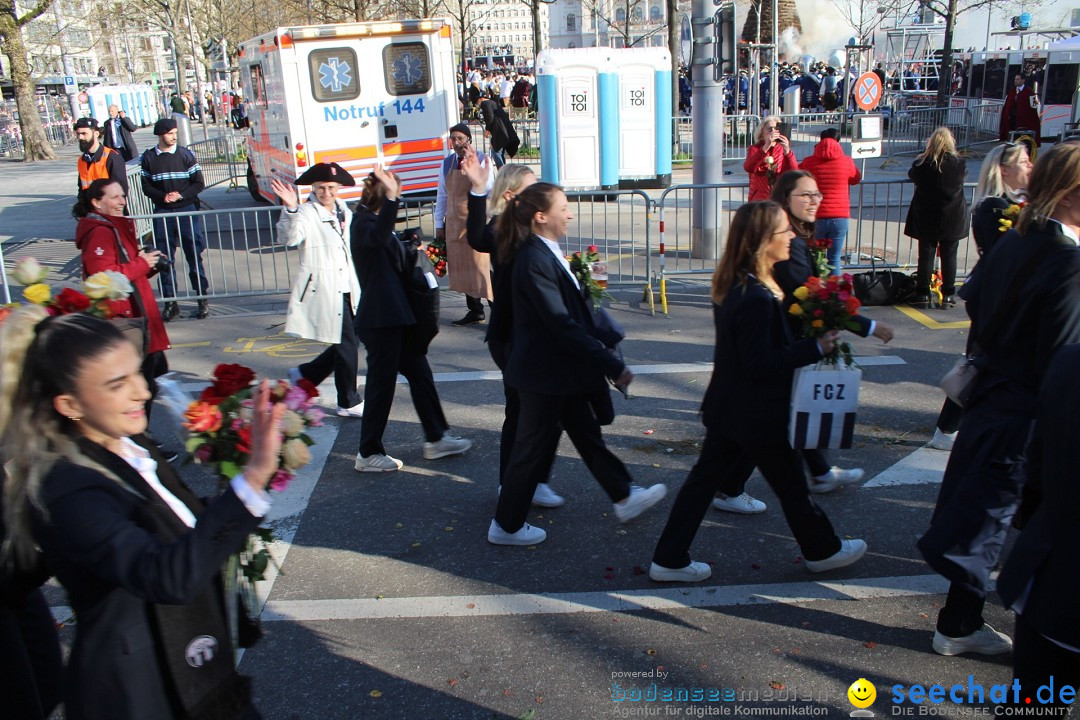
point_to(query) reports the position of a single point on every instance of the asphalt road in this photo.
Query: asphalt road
(391, 604)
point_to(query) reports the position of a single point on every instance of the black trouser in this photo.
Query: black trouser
(1036, 660)
(31, 666)
(154, 365)
(948, 420)
(541, 421)
(927, 250)
(733, 483)
(186, 232)
(341, 359)
(979, 494)
(783, 470)
(391, 350)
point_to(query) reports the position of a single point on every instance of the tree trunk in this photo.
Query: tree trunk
(945, 68)
(534, 10)
(35, 141)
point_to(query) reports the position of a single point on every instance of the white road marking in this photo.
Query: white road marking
(666, 598)
(925, 466)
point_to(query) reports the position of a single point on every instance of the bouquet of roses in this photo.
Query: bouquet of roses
(582, 264)
(825, 305)
(219, 427)
(819, 250)
(436, 254)
(97, 292)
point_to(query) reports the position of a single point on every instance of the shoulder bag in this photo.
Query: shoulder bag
(882, 287)
(134, 328)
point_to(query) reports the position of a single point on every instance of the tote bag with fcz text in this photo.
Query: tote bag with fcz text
(824, 399)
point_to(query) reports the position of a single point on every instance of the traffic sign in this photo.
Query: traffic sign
(69, 85)
(83, 97)
(868, 91)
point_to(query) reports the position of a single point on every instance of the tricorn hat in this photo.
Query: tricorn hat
(326, 172)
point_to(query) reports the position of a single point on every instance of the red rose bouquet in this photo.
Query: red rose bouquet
(819, 250)
(825, 305)
(436, 254)
(97, 292)
(219, 427)
(584, 266)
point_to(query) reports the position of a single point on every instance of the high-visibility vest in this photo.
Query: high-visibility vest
(89, 172)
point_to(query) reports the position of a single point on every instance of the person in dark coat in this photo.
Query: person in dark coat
(1021, 110)
(1041, 578)
(754, 362)
(117, 133)
(499, 130)
(1002, 184)
(558, 366)
(938, 215)
(1024, 303)
(798, 194)
(389, 329)
(139, 555)
(31, 665)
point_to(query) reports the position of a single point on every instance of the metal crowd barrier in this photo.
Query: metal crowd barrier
(222, 159)
(528, 133)
(239, 258)
(875, 233)
(908, 130)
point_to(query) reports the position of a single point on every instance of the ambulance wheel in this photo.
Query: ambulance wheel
(253, 185)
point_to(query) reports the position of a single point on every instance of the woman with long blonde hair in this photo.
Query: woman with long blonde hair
(754, 361)
(938, 215)
(768, 158)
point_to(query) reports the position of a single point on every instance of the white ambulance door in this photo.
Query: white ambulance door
(338, 110)
(416, 115)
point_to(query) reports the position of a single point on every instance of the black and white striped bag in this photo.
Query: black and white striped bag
(824, 399)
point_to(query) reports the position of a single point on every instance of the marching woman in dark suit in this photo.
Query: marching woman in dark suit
(556, 364)
(480, 232)
(138, 554)
(1024, 304)
(797, 193)
(1041, 579)
(395, 339)
(754, 363)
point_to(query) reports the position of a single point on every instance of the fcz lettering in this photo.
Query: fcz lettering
(828, 391)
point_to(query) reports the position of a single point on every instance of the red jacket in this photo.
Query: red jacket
(834, 172)
(96, 237)
(760, 185)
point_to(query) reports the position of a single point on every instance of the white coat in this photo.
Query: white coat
(326, 271)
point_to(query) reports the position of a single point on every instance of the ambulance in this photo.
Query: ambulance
(358, 94)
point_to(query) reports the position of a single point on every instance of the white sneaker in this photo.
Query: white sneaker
(640, 500)
(527, 535)
(742, 504)
(448, 445)
(377, 463)
(835, 478)
(294, 376)
(355, 411)
(546, 497)
(850, 551)
(943, 440)
(693, 572)
(986, 641)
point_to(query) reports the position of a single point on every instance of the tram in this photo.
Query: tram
(982, 79)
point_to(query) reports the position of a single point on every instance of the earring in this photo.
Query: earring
(74, 418)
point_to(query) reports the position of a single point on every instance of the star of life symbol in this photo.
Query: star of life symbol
(335, 74)
(407, 69)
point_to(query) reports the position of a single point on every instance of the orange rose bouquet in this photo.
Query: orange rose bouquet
(825, 305)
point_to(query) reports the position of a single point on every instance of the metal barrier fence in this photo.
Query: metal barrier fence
(528, 132)
(222, 159)
(875, 234)
(11, 142)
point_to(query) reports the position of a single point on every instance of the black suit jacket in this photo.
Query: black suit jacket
(379, 257)
(101, 539)
(986, 222)
(1044, 317)
(1044, 554)
(555, 351)
(129, 150)
(754, 361)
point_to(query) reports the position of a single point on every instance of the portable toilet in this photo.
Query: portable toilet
(578, 151)
(644, 120)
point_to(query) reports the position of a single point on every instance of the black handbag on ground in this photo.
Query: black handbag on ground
(884, 286)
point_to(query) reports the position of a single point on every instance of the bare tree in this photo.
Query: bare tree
(415, 9)
(35, 142)
(866, 16)
(465, 23)
(627, 20)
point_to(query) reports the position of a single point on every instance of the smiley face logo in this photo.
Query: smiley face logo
(862, 693)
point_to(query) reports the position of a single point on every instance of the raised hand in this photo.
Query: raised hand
(266, 437)
(472, 169)
(287, 193)
(390, 182)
